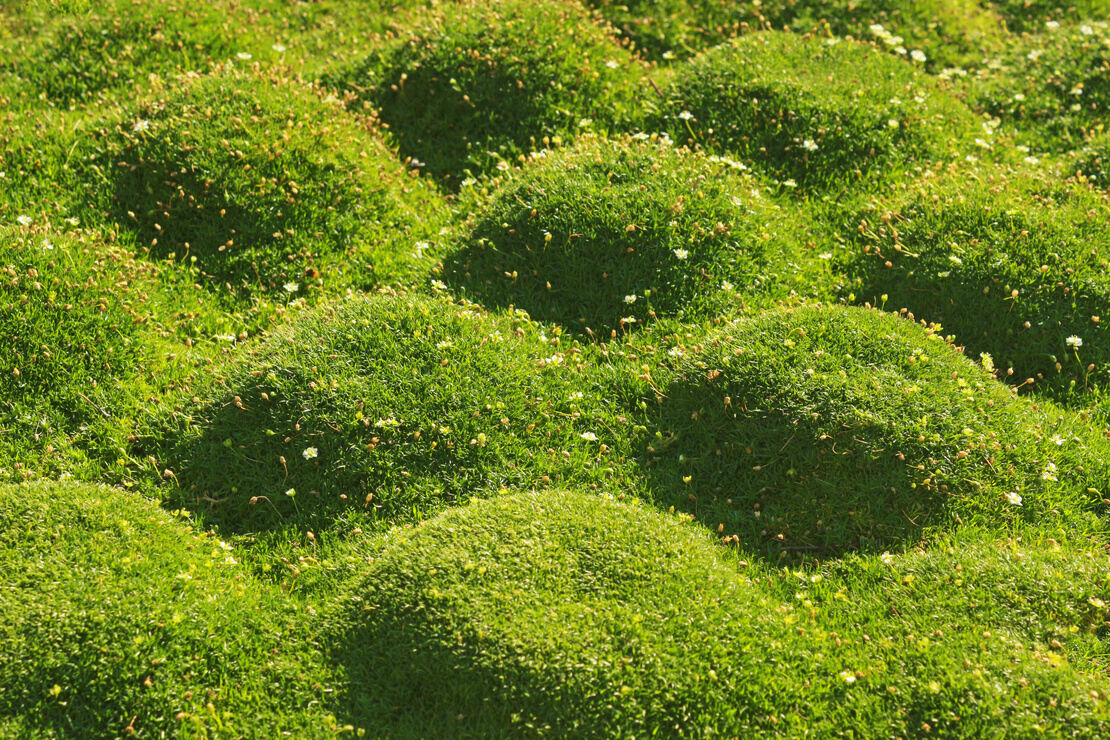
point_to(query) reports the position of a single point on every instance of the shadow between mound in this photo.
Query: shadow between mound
(201, 216)
(783, 487)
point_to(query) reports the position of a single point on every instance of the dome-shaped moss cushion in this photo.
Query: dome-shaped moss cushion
(819, 113)
(608, 232)
(835, 429)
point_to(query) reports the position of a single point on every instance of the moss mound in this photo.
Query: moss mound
(79, 51)
(480, 83)
(567, 614)
(1014, 266)
(1031, 15)
(68, 314)
(828, 429)
(608, 233)
(389, 407)
(263, 185)
(119, 620)
(1055, 84)
(815, 113)
(948, 32)
(1091, 161)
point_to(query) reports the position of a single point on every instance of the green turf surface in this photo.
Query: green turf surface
(489, 368)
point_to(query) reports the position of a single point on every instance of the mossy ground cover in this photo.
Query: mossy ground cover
(1011, 264)
(815, 113)
(553, 369)
(604, 235)
(469, 87)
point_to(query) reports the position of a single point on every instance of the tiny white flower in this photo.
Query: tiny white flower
(503, 166)
(1019, 97)
(24, 220)
(612, 64)
(686, 115)
(630, 299)
(419, 248)
(809, 145)
(887, 558)
(588, 436)
(1074, 342)
(825, 256)
(1049, 473)
(917, 55)
(1014, 498)
(892, 123)
(279, 48)
(244, 55)
(310, 453)
(1086, 30)
(727, 285)
(1058, 440)
(1051, 25)
(141, 125)
(789, 183)
(291, 492)
(681, 254)
(225, 337)
(439, 286)
(291, 287)
(47, 244)
(72, 221)
(848, 676)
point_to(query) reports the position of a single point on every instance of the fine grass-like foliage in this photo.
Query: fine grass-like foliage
(1013, 265)
(1091, 161)
(261, 184)
(392, 407)
(829, 429)
(79, 52)
(816, 113)
(93, 336)
(668, 29)
(1032, 15)
(568, 614)
(1054, 85)
(120, 620)
(609, 233)
(472, 85)
(947, 31)
(68, 329)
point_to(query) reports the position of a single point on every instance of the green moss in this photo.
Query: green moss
(1012, 264)
(81, 52)
(262, 185)
(607, 233)
(1092, 161)
(117, 616)
(1053, 85)
(567, 614)
(476, 85)
(388, 407)
(821, 114)
(1031, 15)
(828, 429)
(948, 32)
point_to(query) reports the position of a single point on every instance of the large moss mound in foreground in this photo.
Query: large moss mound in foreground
(119, 620)
(560, 613)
